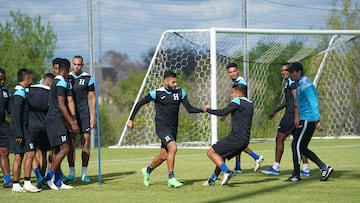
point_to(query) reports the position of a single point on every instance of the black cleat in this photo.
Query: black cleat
(293, 179)
(325, 174)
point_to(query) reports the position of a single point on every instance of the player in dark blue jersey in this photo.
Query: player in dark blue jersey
(18, 129)
(287, 124)
(309, 120)
(58, 120)
(37, 139)
(4, 130)
(241, 110)
(233, 72)
(167, 102)
(84, 97)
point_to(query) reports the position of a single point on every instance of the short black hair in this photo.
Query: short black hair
(285, 64)
(296, 66)
(169, 74)
(2, 71)
(22, 73)
(241, 87)
(231, 65)
(56, 61)
(49, 75)
(64, 65)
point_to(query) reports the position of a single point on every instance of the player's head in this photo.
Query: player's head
(284, 70)
(55, 65)
(48, 79)
(77, 64)
(232, 70)
(64, 67)
(24, 77)
(2, 77)
(296, 70)
(170, 80)
(238, 90)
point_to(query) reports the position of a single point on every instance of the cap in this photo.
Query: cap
(296, 66)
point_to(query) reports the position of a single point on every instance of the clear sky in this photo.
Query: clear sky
(133, 27)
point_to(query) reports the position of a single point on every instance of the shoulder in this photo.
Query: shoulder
(305, 83)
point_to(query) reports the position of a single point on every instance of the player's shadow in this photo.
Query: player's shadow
(104, 178)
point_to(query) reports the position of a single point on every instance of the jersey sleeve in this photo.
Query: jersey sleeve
(148, 98)
(225, 111)
(91, 84)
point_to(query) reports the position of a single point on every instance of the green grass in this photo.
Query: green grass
(122, 180)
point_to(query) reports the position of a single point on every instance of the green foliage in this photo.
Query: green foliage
(25, 43)
(347, 17)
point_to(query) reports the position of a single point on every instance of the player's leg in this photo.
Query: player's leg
(258, 158)
(279, 150)
(237, 168)
(170, 160)
(157, 161)
(5, 166)
(28, 163)
(16, 169)
(85, 155)
(71, 157)
(213, 177)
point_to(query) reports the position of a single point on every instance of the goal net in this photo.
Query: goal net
(331, 59)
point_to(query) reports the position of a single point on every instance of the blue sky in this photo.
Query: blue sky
(135, 26)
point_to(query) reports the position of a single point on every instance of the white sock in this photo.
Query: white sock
(276, 166)
(306, 167)
(72, 171)
(83, 170)
(27, 182)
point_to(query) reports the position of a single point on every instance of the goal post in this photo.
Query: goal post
(199, 56)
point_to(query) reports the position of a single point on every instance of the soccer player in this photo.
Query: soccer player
(37, 139)
(18, 131)
(241, 110)
(309, 115)
(4, 131)
(58, 119)
(167, 102)
(83, 94)
(287, 124)
(233, 72)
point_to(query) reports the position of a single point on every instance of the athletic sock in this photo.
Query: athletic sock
(254, 155)
(58, 178)
(7, 178)
(149, 169)
(224, 168)
(37, 173)
(213, 177)
(171, 174)
(276, 166)
(72, 171)
(83, 170)
(49, 175)
(237, 165)
(306, 167)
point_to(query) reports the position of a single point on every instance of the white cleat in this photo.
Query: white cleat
(17, 188)
(31, 188)
(65, 187)
(258, 163)
(51, 184)
(227, 177)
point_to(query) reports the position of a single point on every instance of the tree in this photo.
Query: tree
(25, 43)
(346, 17)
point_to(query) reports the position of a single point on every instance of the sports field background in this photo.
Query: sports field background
(122, 180)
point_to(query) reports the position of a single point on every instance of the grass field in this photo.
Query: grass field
(122, 180)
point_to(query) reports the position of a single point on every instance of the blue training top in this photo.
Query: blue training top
(307, 98)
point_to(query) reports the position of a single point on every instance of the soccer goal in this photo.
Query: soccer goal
(331, 59)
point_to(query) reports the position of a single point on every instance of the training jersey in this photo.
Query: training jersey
(307, 99)
(239, 80)
(38, 105)
(290, 85)
(17, 108)
(4, 104)
(82, 84)
(241, 110)
(59, 87)
(167, 105)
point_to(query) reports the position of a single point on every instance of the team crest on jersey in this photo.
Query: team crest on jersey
(82, 82)
(176, 97)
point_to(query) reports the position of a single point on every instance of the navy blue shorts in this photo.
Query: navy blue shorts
(56, 131)
(166, 135)
(230, 146)
(287, 125)
(15, 147)
(4, 135)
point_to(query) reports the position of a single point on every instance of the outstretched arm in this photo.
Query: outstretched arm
(137, 107)
(277, 109)
(189, 108)
(222, 112)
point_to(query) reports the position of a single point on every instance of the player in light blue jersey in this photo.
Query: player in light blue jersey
(309, 116)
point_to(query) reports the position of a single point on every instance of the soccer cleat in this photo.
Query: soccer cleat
(237, 171)
(17, 188)
(7, 185)
(51, 184)
(293, 179)
(227, 177)
(271, 171)
(85, 179)
(305, 173)
(258, 162)
(174, 183)
(209, 182)
(31, 188)
(326, 173)
(63, 186)
(146, 176)
(68, 178)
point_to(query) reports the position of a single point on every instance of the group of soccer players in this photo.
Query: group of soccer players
(46, 117)
(301, 118)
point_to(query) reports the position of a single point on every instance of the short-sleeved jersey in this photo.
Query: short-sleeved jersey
(82, 84)
(4, 104)
(241, 110)
(19, 119)
(59, 87)
(38, 105)
(167, 105)
(239, 80)
(290, 85)
(307, 98)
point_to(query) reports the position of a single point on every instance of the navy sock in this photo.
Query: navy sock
(224, 168)
(213, 177)
(254, 155)
(237, 165)
(58, 178)
(171, 174)
(37, 173)
(149, 169)
(49, 174)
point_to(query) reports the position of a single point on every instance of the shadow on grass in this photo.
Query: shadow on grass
(104, 178)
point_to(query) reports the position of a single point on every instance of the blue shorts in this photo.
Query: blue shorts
(166, 135)
(4, 135)
(230, 146)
